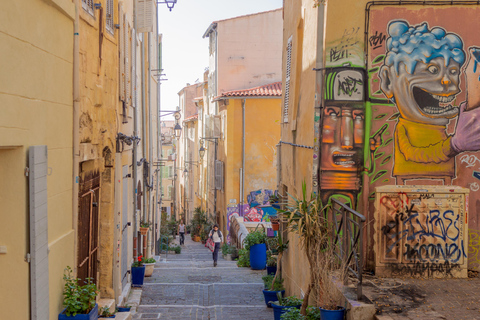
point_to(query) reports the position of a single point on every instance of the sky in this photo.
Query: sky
(184, 51)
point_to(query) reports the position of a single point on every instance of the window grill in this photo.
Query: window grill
(87, 5)
(110, 12)
(286, 100)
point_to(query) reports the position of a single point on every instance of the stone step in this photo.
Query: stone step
(110, 303)
(123, 316)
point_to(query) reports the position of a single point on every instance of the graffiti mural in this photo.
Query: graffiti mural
(422, 105)
(418, 226)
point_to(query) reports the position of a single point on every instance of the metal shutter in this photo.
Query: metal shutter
(286, 100)
(145, 15)
(37, 162)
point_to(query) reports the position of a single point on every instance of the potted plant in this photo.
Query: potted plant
(283, 304)
(294, 314)
(308, 218)
(125, 308)
(281, 247)
(138, 272)
(79, 300)
(272, 289)
(225, 250)
(243, 258)
(255, 243)
(105, 313)
(144, 227)
(275, 223)
(271, 264)
(149, 266)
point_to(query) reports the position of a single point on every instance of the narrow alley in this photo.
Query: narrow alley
(187, 286)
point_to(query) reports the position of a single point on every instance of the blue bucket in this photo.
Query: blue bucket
(271, 296)
(279, 310)
(138, 274)
(258, 256)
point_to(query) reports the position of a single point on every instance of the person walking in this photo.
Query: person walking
(181, 232)
(217, 237)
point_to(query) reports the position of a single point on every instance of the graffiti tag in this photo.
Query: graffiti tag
(470, 160)
(420, 268)
(348, 86)
(377, 40)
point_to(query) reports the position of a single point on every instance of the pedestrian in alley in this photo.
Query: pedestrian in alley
(217, 237)
(181, 232)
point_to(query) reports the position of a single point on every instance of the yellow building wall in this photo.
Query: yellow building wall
(36, 109)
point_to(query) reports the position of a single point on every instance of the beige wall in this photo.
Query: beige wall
(36, 107)
(242, 66)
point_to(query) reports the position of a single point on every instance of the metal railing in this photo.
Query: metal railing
(348, 240)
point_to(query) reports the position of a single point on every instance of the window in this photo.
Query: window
(286, 100)
(87, 5)
(109, 25)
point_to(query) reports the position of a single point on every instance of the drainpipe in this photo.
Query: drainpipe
(76, 125)
(243, 152)
(150, 143)
(135, 134)
(144, 120)
(279, 164)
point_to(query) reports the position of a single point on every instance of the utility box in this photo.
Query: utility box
(421, 231)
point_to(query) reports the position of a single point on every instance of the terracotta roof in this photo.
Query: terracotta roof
(268, 90)
(195, 116)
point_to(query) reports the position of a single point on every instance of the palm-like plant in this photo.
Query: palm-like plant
(308, 218)
(281, 247)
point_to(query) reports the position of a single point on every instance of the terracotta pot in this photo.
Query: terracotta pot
(275, 226)
(143, 231)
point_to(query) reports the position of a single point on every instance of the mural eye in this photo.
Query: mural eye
(453, 71)
(433, 69)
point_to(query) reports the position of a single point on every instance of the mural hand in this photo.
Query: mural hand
(472, 75)
(467, 134)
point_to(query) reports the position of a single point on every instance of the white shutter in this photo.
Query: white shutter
(134, 68)
(38, 164)
(109, 24)
(216, 126)
(219, 175)
(121, 46)
(286, 100)
(145, 16)
(127, 61)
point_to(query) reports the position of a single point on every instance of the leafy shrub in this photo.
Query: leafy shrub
(78, 299)
(253, 238)
(225, 249)
(271, 260)
(243, 258)
(292, 314)
(150, 260)
(313, 313)
(267, 280)
(177, 249)
(291, 301)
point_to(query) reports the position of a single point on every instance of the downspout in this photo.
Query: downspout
(158, 201)
(279, 165)
(135, 134)
(144, 123)
(243, 152)
(150, 144)
(76, 125)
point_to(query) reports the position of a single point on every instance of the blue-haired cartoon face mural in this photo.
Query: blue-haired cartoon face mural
(421, 75)
(422, 72)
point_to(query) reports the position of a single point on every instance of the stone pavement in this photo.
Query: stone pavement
(422, 299)
(187, 286)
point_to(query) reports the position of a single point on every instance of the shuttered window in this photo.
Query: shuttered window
(288, 68)
(144, 12)
(121, 46)
(109, 24)
(127, 79)
(219, 175)
(87, 5)
(38, 164)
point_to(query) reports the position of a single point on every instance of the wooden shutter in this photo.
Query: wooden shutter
(134, 68)
(216, 126)
(121, 45)
(286, 100)
(37, 159)
(144, 12)
(219, 175)
(127, 62)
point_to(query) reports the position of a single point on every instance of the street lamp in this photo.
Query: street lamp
(178, 130)
(170, 3)
(201, 152)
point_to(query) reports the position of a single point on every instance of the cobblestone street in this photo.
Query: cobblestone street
(187, 286)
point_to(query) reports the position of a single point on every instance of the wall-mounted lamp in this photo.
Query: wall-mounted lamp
(201, 152)
(170, 3)
(178, 130)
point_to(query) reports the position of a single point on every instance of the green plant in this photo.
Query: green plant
(225, 249)
(78, 299)
(253, 238)
(145, 223)
(313, 313)
(105, 312)
(243, 258)
(281, 247)
(150, 260)
(277, 286)
(293, 314)
(291, 301)
(177, 249)
(308, 218)
(138, 263)
(271, 260)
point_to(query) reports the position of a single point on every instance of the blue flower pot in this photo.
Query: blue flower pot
(279, 310)
(338, 314)
(271, 296)
(138, 274)
(92, 315)
(124, 309)
(271, 270)
(258, 256)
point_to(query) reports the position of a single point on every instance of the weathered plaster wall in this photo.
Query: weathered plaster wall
(36, 108)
